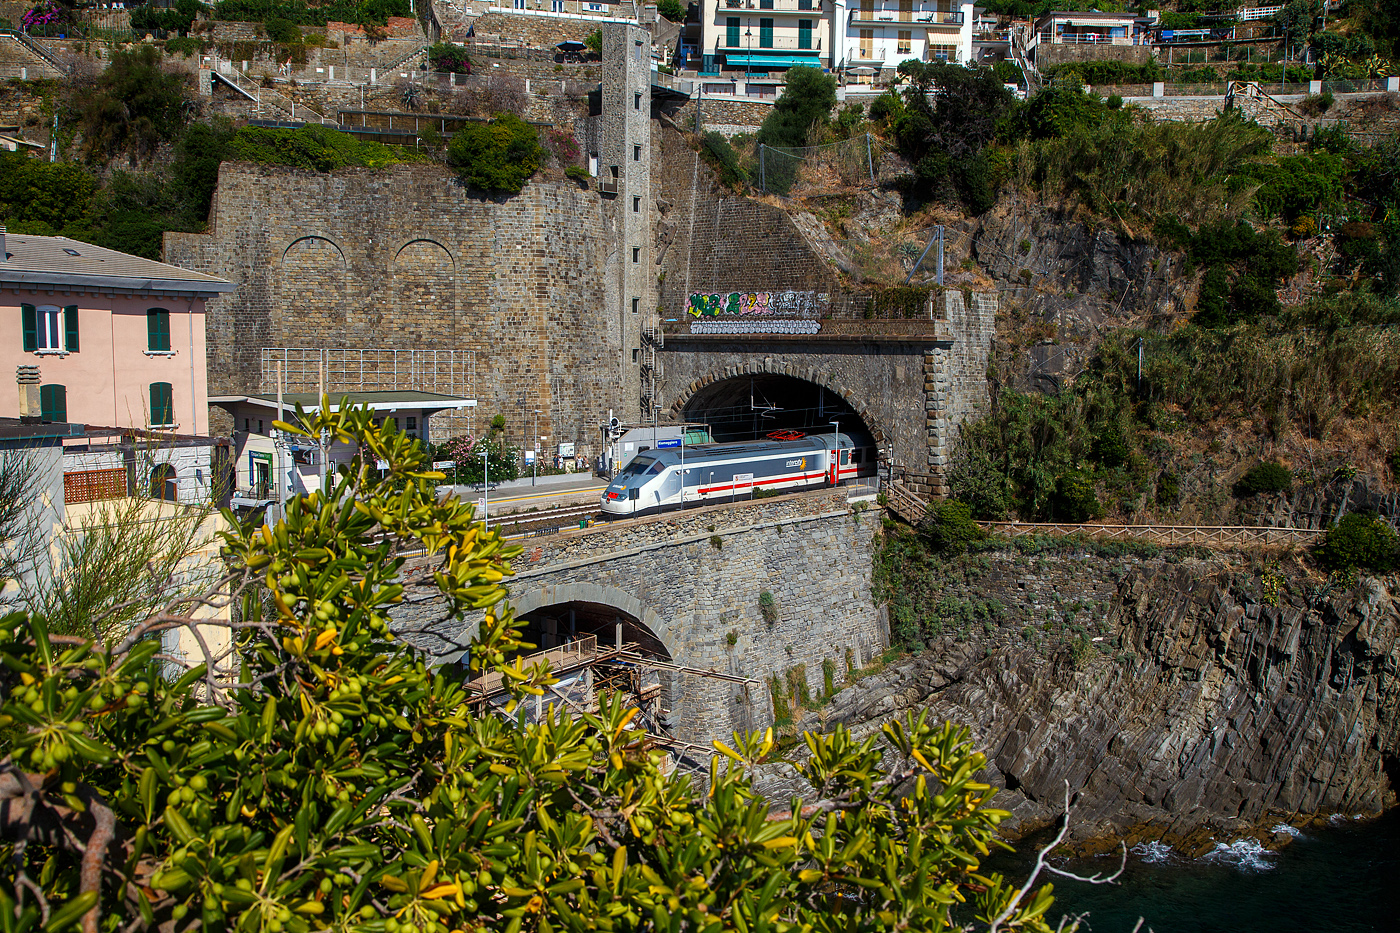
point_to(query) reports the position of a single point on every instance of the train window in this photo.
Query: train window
(855, 456)
(845, 457)
(640, 465)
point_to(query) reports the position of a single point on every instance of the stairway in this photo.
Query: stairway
(21, 53)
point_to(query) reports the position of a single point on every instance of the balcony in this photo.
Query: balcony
(786, 45)
(889, 15)
(812, 7)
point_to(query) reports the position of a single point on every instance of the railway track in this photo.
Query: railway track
(543, 522)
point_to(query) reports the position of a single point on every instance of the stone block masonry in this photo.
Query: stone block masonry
(406, 258)
(810, 551)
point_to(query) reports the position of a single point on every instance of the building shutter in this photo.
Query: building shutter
(162, 404)
(70, 328)
(53, 403)
(30, 317)
(158, 329)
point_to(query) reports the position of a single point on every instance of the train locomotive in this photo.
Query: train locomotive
(659, 479)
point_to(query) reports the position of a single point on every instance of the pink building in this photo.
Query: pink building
(119, 340)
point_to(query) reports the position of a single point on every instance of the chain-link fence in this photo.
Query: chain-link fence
(845, 163)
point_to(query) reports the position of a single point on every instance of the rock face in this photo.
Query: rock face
(1213, 712)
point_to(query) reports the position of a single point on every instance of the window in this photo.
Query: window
(804, 4)
(636, 305)
(765, 4)
(413, 424)
(593, 164)
(556, 6)
(867, 41)
(49, 329)
(53, 403)
(636, 254)
(636, 153)
(636, 204)
(163, 405)
(520, 4)
(636, 356)
(164, 484)
(731, 32)
(904, 41)
(765, 33)
(906, 10)
(867, 9)
(246, 428)
(637, 101)
(804, 33)
(158, 330)
(260, 427)
(943, 53)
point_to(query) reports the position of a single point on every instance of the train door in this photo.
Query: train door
(669, 488)
(833, 461)
(845, 468)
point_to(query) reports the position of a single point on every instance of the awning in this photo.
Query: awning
(770, 61)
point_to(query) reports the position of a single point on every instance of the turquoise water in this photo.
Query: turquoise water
(1342, 878)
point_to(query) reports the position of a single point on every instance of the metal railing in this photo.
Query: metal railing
(776, 43)
(266, 96)
(1087, 38)
(36, 47)
(917, 18)
(1258, 13)
(776, 6)
(1217, 536)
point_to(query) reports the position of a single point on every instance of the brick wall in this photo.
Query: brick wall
(1048, 55)
(405, 258)
(721, 112)
(540, 32)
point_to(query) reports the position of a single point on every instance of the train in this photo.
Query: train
(660, 479)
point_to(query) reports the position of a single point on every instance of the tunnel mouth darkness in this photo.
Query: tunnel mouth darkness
(551, 626)
(750, 407)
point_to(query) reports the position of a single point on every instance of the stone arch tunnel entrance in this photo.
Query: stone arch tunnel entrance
(561, 627)
(750, 406)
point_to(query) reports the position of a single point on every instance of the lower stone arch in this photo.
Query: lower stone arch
(776, 368)
(556, 594)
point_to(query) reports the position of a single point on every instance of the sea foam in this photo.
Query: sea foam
(1152, 852)
(1245, 854)
(1287, 830)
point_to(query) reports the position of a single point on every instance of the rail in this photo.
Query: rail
(1213, 536)
(904, 503)
(37, 48)
(266, 96)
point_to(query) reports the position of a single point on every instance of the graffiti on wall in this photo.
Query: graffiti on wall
(739, 304)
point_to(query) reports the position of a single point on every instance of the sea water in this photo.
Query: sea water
(1342, 877)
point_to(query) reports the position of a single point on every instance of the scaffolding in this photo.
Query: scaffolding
(586, 672)
(348, 369)
(653, 340)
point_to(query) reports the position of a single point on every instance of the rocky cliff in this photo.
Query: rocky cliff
(1191, 698)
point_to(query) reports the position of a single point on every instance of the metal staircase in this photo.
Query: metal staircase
(270, 102)
(35, 48)
(653, 339)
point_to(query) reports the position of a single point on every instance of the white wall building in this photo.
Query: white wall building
(874, 36)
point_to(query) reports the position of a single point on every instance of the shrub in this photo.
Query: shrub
(721, 157)
(499, 156)
(578, 173)
(281, 30)
(948, 527)
(768, 607)
(1115, 102)
(1168, 488)
(1075, 499)
(447, 57)
(1361, 540)
(671, 9)
(1266, 476)
(564, 146)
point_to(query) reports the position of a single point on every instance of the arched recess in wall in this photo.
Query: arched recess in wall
(313, 291)
(424, 283)
(750, 405)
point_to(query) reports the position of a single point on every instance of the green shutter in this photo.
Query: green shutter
(765, 33)
(53, 403)
(731, 32)
(70, 328)
(158, 329)
(162, 404)
(30, 316)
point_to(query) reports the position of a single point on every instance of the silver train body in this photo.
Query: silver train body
(653, 480)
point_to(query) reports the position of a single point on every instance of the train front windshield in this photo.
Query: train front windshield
(640, 466)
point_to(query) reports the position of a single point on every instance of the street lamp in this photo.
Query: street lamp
(748, 51)
(485, 490)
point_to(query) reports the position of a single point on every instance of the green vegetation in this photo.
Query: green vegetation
(134, 106)
(449, 57)
(717, 152)
(498, 157)
(332, 781)
(1360, 541)
(672, 10)
(313, 147)
(948, 527)
(1266, 476)
(796, 120)
(301, 13)
(178, 17)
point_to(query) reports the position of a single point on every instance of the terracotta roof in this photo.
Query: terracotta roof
(59, 261)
